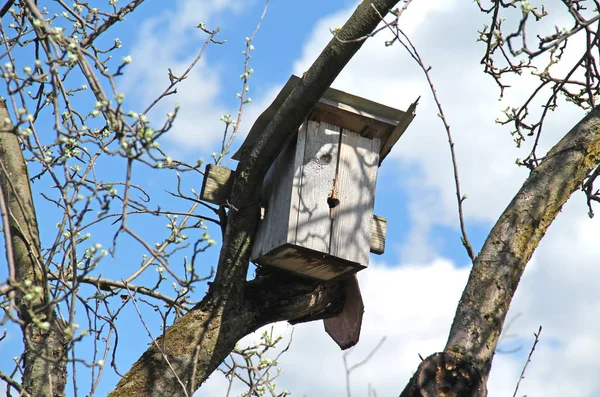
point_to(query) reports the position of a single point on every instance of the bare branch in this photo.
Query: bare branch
(522, 376)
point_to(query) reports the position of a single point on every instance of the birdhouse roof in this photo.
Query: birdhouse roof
(369, 119)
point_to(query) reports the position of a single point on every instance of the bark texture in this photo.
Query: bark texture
(445, 375)
(497, 270)
(195, 345)
(44, 359)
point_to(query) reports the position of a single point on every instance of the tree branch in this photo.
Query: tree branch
(225, 315)
(268, 299)
(45, 343)
(465, 364)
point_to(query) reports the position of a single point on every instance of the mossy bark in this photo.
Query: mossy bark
(499, 266)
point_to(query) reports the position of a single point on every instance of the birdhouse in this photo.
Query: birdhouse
(318, 196)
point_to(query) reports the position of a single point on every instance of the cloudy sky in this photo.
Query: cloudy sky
(410, 292)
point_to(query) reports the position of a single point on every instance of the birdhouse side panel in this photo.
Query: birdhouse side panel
(355, 190)
(278, 195)
(315, 181)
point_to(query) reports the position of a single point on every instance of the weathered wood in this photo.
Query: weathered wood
(389, 141)
(295, 233)
(216, 185)
(378, 231)
(368, 118)
(344, 328)
(308, 263)
(355, 190)
(278, 196)
(295, 202)
(316, 183)
(217, 189)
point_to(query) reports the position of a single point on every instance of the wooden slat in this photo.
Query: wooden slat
(216, 188)
(382, 118)
(217, 183)
(318, 173)
(308, 263)
(277, 192)
(295, 201)
(344, 329)
(378, 231)
(366, 127)
(388, 142)
(355, 185)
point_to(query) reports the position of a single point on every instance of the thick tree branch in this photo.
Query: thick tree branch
(510, 244)
(43, 334)
(196, 337)
(467, 359)
(199, 341)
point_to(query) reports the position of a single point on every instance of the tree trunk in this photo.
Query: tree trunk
(44, 358)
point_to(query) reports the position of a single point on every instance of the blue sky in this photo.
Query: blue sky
(411, 291)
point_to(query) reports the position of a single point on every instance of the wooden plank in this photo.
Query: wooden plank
(298, 161)
(308, 263)
(277, 191)
(366, 127)
(344, 329)
(318, 173)
(378, 231)
(355, 190)
(216, 185)
(346, 106)
(345, 109)
(389, 141)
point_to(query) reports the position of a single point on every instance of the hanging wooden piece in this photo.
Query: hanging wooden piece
(344, 329)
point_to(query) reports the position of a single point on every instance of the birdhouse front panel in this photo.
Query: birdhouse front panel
(354, 189)
(318, 200)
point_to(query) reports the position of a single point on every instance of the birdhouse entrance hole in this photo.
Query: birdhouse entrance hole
(332, 202)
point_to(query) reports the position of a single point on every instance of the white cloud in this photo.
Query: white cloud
(314, 366)
(171, 41)
(486, 152)
(413, 305)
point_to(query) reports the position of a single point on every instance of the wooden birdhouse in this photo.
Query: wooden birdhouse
(319, 194)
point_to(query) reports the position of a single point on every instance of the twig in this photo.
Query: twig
(119, 16)
(176, 80)
(6, 7)
(268, 367)
(137, 309)
(108, 285)
(408, 45)
(361, 363)
(537, 339)
(247, 71)
(12, 383)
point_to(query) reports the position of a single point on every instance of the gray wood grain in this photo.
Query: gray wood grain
(318, 174)
(355, 189)
(277, 191)
(216, 185)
